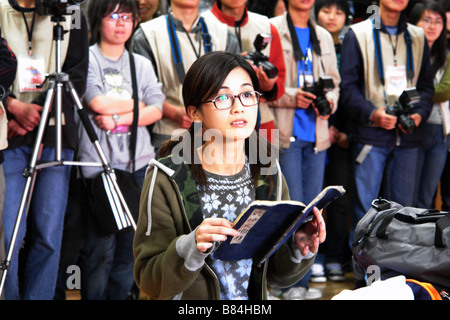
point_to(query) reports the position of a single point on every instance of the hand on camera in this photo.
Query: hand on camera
(383, 120)
(303, 99)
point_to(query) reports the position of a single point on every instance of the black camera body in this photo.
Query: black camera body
(258, 58)
(403, 108)
(55, 7)
(319, 89)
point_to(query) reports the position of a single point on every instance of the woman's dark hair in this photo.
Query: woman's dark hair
(438, 50)
(340, 4)
(98, 9)
(446, 5)
(207, 74)
(202, 82)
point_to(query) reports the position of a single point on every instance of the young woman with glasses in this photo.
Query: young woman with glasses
(431, 17)
(190, 199)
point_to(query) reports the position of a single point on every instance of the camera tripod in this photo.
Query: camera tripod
(56, 82)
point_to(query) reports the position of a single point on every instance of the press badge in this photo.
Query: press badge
(31, 71)
(307, 79)
(396, 81)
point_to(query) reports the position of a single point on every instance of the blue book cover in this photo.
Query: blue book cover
(266, 225)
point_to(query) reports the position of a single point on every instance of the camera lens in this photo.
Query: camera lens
(322, 105)
(269, 69)
(407, 123)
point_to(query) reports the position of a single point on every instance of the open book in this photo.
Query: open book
(265, 225)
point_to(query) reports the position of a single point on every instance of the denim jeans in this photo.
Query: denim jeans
(399, 182)
(46, 215)
(304, 171)
(107, 262)
(432, 158)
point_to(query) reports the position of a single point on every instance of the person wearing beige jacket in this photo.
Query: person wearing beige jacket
(309, 55)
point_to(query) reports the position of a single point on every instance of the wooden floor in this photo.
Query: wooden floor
(329, 289)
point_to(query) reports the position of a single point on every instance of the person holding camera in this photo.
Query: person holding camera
(260, 40)
(384, 60)
(173, 42)
(301, 114)
(26, 25)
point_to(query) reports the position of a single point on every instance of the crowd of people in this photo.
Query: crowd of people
(352, 93)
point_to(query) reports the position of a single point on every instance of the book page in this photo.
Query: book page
(249, 223)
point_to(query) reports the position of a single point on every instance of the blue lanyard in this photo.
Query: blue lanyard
(176, 53)
(379, 56)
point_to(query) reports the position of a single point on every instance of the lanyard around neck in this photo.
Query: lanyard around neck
(29, 31)
(176, 53)
(299, 56)
(379, 55)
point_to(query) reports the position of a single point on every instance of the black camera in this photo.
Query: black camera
(319, 89)
(403, 108)
(55, 7)
(258, 58)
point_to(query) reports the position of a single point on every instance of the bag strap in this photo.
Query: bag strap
(135, 111)
(442, 224)
(441, 219)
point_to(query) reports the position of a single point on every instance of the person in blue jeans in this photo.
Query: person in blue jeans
(334, 15)
(381, 58)
(8, 67)
(303, 130)
(431, 17)
(24, 105)
(106, 262)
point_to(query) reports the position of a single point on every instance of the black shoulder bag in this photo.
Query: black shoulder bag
(105, 205)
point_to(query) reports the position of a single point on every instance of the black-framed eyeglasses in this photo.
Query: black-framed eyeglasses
(226, 101)
(117, 16)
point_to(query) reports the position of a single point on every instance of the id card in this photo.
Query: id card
(307, 79)
(31, 71)
(396, 81)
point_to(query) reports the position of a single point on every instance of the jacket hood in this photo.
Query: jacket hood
(178, 171)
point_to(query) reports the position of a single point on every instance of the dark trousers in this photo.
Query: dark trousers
(337, 172)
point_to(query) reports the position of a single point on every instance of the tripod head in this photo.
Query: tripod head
(55, 7)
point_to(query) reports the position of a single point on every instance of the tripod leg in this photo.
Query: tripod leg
(30, 174)
(94, 139)
(24, 205)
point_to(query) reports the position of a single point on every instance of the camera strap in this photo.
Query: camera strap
(298, 53)
(176, 53)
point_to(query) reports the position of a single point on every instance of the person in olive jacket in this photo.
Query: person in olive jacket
(194, 192)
